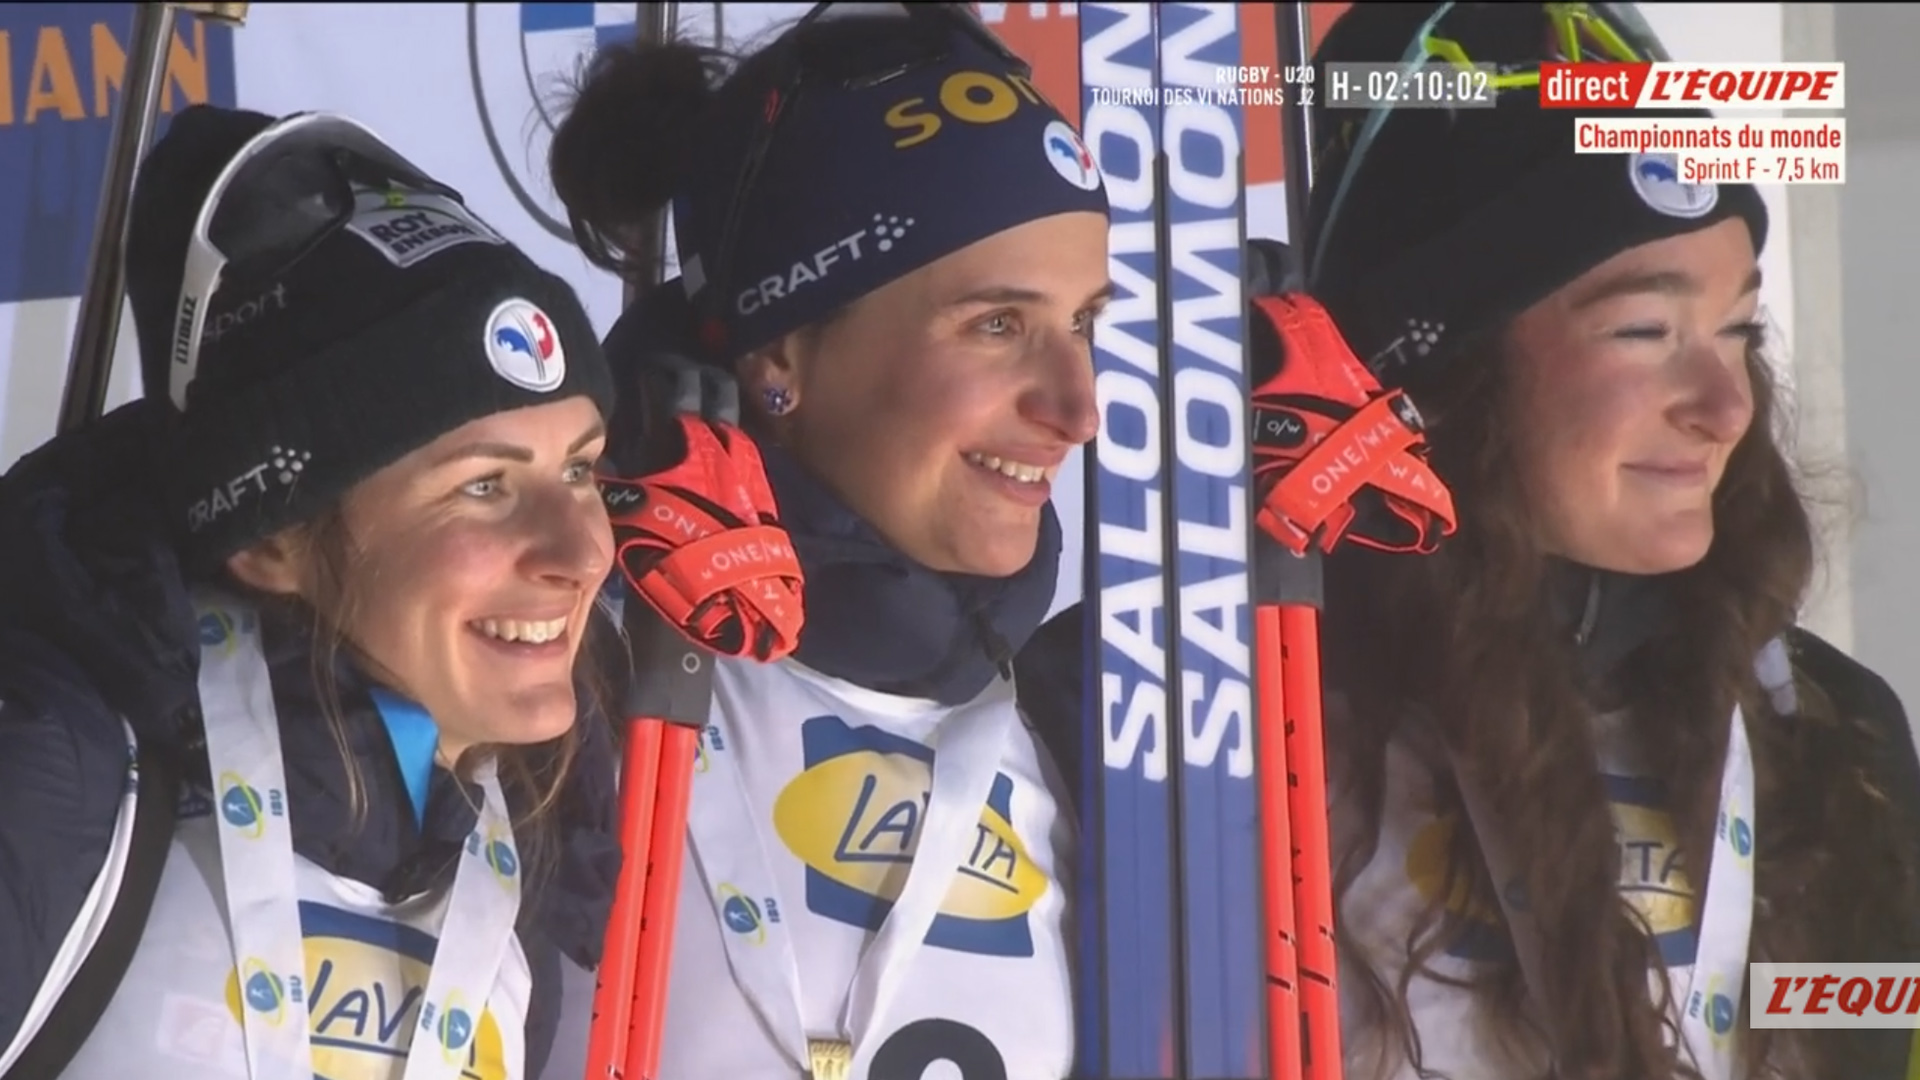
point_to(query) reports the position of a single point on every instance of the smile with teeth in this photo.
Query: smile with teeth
(523, 631)
(1026, 474)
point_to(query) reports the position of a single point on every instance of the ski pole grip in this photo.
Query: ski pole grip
(1281, 577)
(1338, 459)
(710, 570)
(672, 677)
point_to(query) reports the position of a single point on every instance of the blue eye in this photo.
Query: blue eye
(483, 488)
(999, 325)
(580, 472)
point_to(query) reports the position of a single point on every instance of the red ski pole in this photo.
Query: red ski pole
(647, 1023)
(673, 682)
(1337, 460)
(1286, 1054)
(678, 533)
(1312, 850)
(613, 988)
(1303, 999)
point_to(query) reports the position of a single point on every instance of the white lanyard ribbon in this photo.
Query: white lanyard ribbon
(1709, 1004)
(728, 839)
(257, 872)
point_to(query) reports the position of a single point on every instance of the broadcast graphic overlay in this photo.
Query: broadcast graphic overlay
(1728, 148)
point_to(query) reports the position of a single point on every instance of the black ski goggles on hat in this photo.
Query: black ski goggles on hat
(927, 34)
(1568, 34)
(287, 190)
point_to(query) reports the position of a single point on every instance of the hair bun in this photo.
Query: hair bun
(627, 140)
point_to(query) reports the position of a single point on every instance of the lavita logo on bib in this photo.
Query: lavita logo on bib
(1653, 881)
(1653, 878)
(366, 979)
(854, 817)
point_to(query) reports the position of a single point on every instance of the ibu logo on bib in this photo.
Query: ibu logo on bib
(1735, 828)
(450, 1026)
(496, 850)
(365, 984)
(746, 916)
(221, 629)
(855, 816)
(1715, 1009)
(264, 992)
(243, 807)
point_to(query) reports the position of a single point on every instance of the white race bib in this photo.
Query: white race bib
(728, 849)
(257, 873)
(1707, 996)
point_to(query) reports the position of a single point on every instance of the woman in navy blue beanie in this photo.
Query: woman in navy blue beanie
(898, 247)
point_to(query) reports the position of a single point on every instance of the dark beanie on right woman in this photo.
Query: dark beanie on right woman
(1454, 221)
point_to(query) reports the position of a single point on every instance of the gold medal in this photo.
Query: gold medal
(832, 1059)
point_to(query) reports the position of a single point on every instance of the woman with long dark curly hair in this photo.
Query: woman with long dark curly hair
(1586, 769)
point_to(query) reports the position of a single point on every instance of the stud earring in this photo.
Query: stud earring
(779, 400)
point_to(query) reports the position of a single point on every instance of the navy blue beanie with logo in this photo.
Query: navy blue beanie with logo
(863, 184)
(405, 318)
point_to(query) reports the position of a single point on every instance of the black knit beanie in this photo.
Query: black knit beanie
(1453, 222)
(403, 318)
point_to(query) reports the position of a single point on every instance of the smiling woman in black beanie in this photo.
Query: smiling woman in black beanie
(335, 572)
(1586, 767)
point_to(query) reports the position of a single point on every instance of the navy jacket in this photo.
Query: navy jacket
(96, 624)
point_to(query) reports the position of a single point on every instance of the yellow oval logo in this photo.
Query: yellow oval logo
(365, 981)
(1426, 868)
(857, 818)
(1652, 880)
